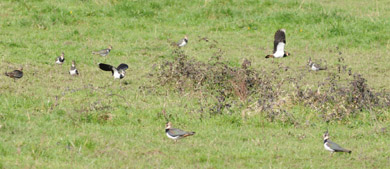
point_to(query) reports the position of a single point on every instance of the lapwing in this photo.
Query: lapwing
(73, 71)
(103, 52)
(60, 59)
(315, 67)
(176, 134)
(16, 74)
(182, 42)
(331, 146)
(117, 72)
(279, 44)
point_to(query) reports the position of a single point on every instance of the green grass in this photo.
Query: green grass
(51, 120)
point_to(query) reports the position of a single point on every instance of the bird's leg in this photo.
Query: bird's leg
(331, 154)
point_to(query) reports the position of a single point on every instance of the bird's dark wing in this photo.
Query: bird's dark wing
(15, 74)
(18, 73)
(280, 36)
(103, 51)
(177, 132)
(105, 67)
(122, 66)
(335, 146)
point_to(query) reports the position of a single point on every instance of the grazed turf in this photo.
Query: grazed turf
(51, 120)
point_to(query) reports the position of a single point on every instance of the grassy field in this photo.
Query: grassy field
(49, 119)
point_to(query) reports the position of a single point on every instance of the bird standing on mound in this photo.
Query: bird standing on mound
(73, 70)
(16, 74)
(182, 42)
(60, 60)
(103, 52)
(315, 67)
(117, 72)
(176, 134)
(279, 43)
(331, 146)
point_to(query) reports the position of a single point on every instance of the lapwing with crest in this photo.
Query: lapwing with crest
(279, 44)
(175, 134)
(60, 59)
(103, 52)
(331, 146)
(73, 71)
(315, 67)
(117, 72)
(182, 42)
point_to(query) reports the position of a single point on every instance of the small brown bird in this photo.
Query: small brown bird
(16, 74)
(279, 43)
(103, 52)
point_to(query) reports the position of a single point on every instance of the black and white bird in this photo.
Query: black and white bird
(16, 74)
(176, 134)
(279, 44)
(73, 71)
(60, 59)
(117, 72)
(103, 52)
(182, 42)
(315, 67)
(331, 146)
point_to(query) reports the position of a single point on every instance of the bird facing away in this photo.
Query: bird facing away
(73, 71)
(279, 44)
(331, 146)
(16, 74)
(103, 52)
(182, 42)
(315, 67)
(176, 134)
(117, 72)
(60, 59)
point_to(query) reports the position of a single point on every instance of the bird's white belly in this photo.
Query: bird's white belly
(183, 44)
(279, 54)
(328, 148)
(279, 50)
(314, 68)
(73, 72)
(117, 75)
(171, 137)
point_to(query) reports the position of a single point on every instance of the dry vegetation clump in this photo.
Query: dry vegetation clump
(340, 96)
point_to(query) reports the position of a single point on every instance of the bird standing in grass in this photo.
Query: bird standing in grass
(279, 44)
(16, 74)
(73, 70)
(117, 72)
(182, 42)
(315, 67)
(103, 52)
(331, 146)
(60, 59)
(176, 134)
